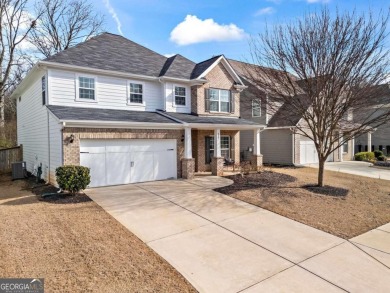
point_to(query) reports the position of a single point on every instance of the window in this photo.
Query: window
(256, 108)
(180, 96)
(345, 146)
(86, 88)
(43, 90)
(225, 147)
(136, 92)
(218, 100)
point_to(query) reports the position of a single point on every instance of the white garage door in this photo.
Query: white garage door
(308, 152)
(114, 162)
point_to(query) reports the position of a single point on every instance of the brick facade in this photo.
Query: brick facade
(218, 78)
(217, 166)
(199, 147)
(188, 168)
(257, 162)
(71, 151)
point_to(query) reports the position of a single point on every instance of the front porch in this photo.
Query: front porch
(209, 149)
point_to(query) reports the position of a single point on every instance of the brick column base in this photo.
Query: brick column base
(217, 166)
(188, 168)
(256, 162)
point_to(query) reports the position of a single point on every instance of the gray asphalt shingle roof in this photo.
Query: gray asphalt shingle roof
(112, 52)
(192, 118)
(94, 114)
(115, 53)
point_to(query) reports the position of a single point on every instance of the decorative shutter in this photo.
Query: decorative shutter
(207, 100)
(232, 102)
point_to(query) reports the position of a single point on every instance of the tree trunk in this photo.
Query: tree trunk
(321, 167)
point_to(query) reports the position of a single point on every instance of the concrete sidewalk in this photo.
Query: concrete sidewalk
(356, 168)
(221, 244)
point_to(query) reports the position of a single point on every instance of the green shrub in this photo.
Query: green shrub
(378, 154)
(73, 178)
(365, 156)
(381, 158)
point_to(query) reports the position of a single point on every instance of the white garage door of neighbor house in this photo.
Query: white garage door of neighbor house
(308, 152)
(114, 162)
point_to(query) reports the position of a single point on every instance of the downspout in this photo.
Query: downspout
(48, 143)
(293, 146)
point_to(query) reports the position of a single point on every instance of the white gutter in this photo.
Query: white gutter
(282, 127)
(119, 124)
(225, 126)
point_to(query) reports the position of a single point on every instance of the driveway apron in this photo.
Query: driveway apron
(221, 244)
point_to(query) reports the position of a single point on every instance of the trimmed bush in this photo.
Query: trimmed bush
(365, 156)
(73, 178)
(381, 158)
(378, 154)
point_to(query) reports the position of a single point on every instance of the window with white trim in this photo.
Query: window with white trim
(225, 147)
(219, 100)
(180, 96)
(256, 108)
(345, 146)
(87, 88)
(136, 93)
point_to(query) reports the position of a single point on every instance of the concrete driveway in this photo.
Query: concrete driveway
(356, 168)
(221, 244)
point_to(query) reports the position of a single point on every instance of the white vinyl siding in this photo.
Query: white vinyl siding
(55, 146)
(111, 92)
(32, 131)
(170, 105)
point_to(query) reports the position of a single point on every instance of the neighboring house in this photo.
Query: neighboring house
(380, 138)
(280, 141)
(130, 114)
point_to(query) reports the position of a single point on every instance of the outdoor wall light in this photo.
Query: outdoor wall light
(71, 138)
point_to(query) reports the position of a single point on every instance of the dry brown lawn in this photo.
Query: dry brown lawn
(76, 247)
(353, 205)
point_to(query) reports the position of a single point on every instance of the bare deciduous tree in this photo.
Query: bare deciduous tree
(63, 24)
(15, 26)
(323, 68)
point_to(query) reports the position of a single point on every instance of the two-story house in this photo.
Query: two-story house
(130, 114)
(281, 143)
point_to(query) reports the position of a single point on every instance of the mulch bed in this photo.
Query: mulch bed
(346, 206)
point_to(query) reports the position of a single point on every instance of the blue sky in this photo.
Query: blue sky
(201, 29)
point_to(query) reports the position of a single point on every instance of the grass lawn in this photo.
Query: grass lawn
(349, 206)
(76, 247)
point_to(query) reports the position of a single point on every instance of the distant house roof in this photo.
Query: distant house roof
(93, 114)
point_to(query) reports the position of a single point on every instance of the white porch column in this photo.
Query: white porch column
(256, 140)
(369, 142)
(217, 143)
(187, 143)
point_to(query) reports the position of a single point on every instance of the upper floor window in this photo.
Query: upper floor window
(218, 100)
(180, 96)
(87, 88)
(256, 108)
(136, 93)
(43, 82)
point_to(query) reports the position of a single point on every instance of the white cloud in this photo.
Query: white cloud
(169, 55)
(112, 11)
(263, 11)
(194, 30)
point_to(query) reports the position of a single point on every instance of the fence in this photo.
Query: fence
(9, 156)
